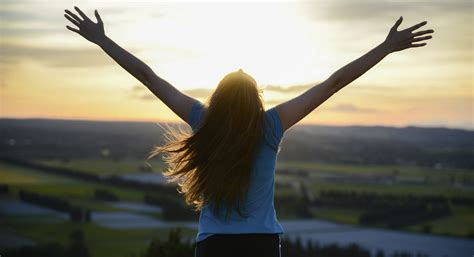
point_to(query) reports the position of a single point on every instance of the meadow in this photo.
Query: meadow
(101, 240)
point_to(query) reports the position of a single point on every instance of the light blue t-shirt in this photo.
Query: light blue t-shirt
(259, 205)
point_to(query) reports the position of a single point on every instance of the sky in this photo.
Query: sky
(47, 71)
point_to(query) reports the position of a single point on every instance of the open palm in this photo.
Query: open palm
(90, 30)
(403, 39)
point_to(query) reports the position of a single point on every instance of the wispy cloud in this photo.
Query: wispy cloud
(138, 88)
(148, 97)
(140, 92)
(369, 10)
(55, 57)
(350, 108)
(199, 92)
(290, 89)
(137, 91)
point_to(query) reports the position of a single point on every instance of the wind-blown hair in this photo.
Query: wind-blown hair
(214, 164)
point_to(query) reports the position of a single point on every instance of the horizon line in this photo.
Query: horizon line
(471, 129)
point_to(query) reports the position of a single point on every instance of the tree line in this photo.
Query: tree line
(76, 214)
(391, 210)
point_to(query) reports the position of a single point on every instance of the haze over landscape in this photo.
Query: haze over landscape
(48, 72)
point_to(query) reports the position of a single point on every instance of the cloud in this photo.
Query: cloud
(55, 57)
(148, 97)
(350, 108)
(370, 10)
(17, 15)
(199, 92)
(206, 92)
(139, 91)
(295, 88)
(138, 88)
(273, 102)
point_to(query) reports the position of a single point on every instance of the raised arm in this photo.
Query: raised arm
(177, 101)
(295, 109)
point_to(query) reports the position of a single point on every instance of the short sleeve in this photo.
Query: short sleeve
(274, 129)
(195, 114)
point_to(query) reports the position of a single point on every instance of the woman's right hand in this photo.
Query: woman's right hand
(90, 30)
(403, 39)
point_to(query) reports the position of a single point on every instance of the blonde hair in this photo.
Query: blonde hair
(214, 164)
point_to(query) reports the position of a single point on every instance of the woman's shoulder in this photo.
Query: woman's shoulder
(273, 128)
(196, 113)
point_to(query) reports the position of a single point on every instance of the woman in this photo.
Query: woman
(225, 167)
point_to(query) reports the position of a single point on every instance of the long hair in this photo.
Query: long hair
(214, 164)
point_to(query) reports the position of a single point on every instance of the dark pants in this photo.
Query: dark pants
(239, 245)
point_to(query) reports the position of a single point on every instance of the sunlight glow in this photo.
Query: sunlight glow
(48, 71)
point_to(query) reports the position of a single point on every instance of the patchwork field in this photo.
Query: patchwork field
(104, 241)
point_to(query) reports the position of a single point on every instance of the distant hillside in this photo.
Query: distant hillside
(440, 147)
(381, 145)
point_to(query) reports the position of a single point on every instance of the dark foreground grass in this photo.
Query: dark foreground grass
(102, 242)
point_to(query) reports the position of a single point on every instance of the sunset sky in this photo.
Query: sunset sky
(48, 71)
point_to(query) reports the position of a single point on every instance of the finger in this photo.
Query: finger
(72, 29)
(414, 39)
(420, 38)
(73, 15)
(417, 45)
(416, 26)
(97, 16)
(399, 21)
(81, 13)
(72, 20)
(406, 45)
(419, 33)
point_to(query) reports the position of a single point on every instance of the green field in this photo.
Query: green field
(435, 175)
(115, 242)
(346, 216)
(101, 241)
(16, 175)
(395, 189)
(460, 223)
(80, 193)
(106, 167)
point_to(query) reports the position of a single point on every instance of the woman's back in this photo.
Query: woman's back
(259, 203)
